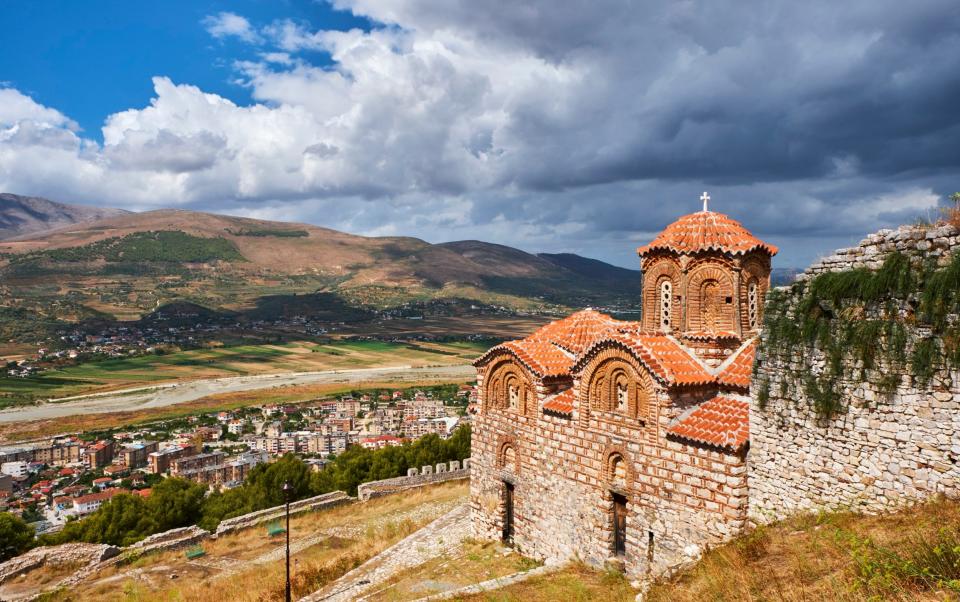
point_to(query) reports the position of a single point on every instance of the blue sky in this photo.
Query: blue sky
(583, 126)
(91, 59)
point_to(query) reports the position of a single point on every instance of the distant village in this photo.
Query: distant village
(56, 480)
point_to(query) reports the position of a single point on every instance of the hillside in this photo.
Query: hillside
(909, 555)
(126, 266)
(24, 215)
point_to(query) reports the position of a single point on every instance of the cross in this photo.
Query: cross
(706, 199)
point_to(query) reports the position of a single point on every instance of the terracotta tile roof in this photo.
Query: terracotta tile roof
(542, 357)
(551, 350)
(739, 372)
(577, 331)
(561, 403)
(106, 494)
(721, 421)
(706, 231)
(666, 359)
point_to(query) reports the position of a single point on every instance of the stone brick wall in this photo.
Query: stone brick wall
(66, 554)
(939, 242)
(427, 475)
(326, 500)
(883, 449)
(168, 540)
(681, 498)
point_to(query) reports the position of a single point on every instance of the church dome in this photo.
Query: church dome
(706, 231)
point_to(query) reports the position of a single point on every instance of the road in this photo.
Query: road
(171, 394)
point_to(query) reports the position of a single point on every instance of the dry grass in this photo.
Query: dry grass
(473, 563)
(839, 556)
(333, 542)
(952, 216)
(575, 583)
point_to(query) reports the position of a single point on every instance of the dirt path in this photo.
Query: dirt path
(165, 395)
(443, 534)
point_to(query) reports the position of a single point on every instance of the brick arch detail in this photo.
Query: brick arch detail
(597, 382)
(498, 380)
(610, 453)
(753, 270)
(719, 278)
(654, 273)
(506, 443)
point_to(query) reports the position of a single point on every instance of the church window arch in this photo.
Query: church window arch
(508, 388)
(753, 305)
(508, 456)
(710, 305)
(666, 303)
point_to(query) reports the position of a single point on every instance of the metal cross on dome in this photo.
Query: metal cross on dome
(706, 199)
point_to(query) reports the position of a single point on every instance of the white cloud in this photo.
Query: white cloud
(227, 24)
(16, 107)
(545, 125)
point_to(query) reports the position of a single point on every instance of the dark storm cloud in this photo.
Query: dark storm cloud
(582, 126)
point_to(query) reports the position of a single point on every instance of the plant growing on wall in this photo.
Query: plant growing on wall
(860, 325)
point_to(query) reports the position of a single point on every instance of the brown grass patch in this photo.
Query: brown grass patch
(333, 542)
(474, 562)
(575, 583)
(839, 556)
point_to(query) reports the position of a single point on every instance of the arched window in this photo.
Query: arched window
(618, 471)
(622, 398)
(666, 303)
(508, 388)
(753, 305)
(510, 459)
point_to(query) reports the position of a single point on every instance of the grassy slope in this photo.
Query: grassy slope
(354, 533)
(911, 555)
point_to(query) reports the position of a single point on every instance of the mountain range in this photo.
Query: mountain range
(122, 265)
(25, 215)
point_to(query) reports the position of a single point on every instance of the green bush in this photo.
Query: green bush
(16, 536)
(162, 246)
(855, 319)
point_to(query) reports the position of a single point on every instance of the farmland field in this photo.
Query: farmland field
(243, 360)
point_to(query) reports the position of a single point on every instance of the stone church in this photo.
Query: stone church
(626, 442)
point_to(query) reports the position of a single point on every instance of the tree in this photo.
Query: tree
(16, 536)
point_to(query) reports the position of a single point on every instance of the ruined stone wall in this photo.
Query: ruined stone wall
(416, 477)
(326, 500)
(883, 448)
(681, 497)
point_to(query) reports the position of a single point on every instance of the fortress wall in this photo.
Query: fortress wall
(883, 449)
(326, 500)
(417, 477)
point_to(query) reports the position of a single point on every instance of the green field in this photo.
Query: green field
(121, 373)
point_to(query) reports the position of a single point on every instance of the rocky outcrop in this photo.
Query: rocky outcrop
(70, 554)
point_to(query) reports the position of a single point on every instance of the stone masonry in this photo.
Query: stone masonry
(882, 450)
(374, 489)
(626, 442)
